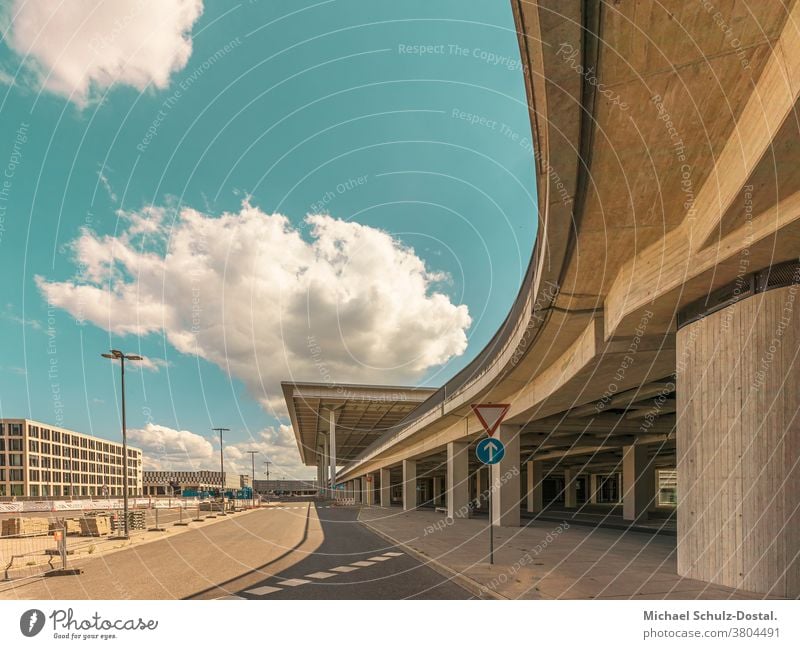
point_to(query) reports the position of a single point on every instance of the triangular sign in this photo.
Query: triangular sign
(490, 415)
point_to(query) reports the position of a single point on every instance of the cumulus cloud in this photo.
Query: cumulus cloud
(167, 449)
(247, 292)
(81, 47)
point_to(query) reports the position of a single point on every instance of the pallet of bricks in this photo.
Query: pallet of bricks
(135, 521)
(95, 525)
(25, 526)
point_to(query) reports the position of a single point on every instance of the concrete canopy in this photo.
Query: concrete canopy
(363, 414)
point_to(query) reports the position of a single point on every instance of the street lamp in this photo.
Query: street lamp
(116, 355)
(221, 466)
(253, 479)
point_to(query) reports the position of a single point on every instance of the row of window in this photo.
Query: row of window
(45, 434)
(58, 490)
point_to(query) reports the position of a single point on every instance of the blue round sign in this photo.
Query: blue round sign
(490, 450)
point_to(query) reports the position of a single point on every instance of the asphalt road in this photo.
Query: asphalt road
(253, 555)
(354, 563)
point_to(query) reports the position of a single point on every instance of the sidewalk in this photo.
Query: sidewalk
(544, 560)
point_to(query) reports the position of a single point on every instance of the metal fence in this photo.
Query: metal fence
(40, 536)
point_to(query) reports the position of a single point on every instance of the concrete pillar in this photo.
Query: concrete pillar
(437, 491)
(738, 443)
(357, 494)
(592, 488)
(409, 484)
(458, 479)
(386, 488)
(331, 416)
(505, 482)
(320, 466)
(637, 477)
(324, 483)
(570, 490)
(535, 477)
(367, 485)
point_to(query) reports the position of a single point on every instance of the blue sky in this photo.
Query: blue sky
(158, 196)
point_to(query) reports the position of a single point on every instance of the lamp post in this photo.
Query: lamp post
(253, 479)
(117, 355)
(221, 466)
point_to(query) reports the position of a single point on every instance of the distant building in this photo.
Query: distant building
(245, 480)
(296, 487)
(167, 483)
(40, 460)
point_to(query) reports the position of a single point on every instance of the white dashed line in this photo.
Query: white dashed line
(362, 564)
(230, 597)
(344, 569)
(262, 590)
(392, 554)
(293, 582)
(321, 575)
(379, 558)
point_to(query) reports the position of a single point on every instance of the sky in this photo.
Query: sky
(332, 191)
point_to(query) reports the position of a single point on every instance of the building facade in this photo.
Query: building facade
(40, 460)
(295, 487)
(167, 483)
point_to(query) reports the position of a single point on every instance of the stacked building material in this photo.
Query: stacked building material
(95, 525)
(135, 521)
(27, 526)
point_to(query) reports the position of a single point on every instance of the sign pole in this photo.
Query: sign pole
(491, 520)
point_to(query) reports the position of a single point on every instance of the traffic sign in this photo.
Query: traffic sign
(490, 451)
(490, 415)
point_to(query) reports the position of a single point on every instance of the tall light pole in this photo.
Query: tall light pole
(253, 481)
(116, 355)
(222, 466)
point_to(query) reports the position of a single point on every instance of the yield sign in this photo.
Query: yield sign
(490, 415)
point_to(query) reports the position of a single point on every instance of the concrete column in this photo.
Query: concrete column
(505, 481)
(324, 483)
(320, 465)
(535, 477)
(437, 490)
(637, 482)
(331, 416)
(457, 479)
(738, 443)
(367, 485)
(357, 493)
(386, 488)
(409, 484)
(570, 490)
(592, 488)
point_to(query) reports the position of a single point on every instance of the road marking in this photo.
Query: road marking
(321, 575)
(232, 597)
(379, 558)
(344, 569)
(362, 564)
(392, 554)
(262, 590)
(293, 582)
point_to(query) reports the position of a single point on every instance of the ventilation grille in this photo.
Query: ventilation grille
(777, 276)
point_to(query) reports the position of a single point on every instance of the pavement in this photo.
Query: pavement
(544, 559)
(298, 550)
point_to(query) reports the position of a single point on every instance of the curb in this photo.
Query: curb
(467, 583)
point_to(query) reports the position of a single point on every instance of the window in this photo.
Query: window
(17, 490)
(33, 460)
(15, 459)
(667, 487)
(33, 431)
(2, 475)
(15, 430)
(56, 436)
(15, 475)
(45, 447)
(15, 445)
(607, 488)
(33, 476)
(45, 433)
(2, 444)
(33, 445)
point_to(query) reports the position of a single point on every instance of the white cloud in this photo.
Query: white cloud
(248, 293)
(168, 449)
(78, 48)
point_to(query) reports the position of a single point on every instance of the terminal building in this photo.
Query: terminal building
(40, 460)
(287, 487)
(650, 359)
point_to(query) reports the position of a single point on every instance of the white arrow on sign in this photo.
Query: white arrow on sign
(492, 448)
(490, 415)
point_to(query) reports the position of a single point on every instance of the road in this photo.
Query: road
(296, 551)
